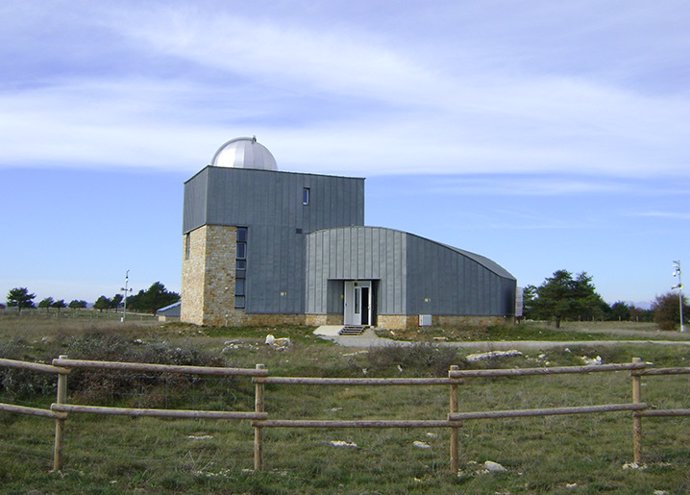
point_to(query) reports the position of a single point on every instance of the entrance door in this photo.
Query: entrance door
(357, 303)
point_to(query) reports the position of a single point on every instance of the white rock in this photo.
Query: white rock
(596, 361)
(660, 492)
(421, 445)
(342, 443)
(270, 339)
(492, 355)
(494, 467)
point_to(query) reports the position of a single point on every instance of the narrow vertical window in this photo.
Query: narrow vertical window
(241, 268)
(187, 248)
(306, 196)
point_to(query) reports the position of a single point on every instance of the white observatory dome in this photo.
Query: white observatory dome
(244, 152)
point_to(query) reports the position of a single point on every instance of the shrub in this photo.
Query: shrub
(667, 311)
(144, 389)
(19, 383)
(423, 358)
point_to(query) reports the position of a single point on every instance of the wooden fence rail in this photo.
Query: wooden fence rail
(60, 410)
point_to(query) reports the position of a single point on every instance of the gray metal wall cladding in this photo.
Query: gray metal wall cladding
(446, 281)
(269, 203)
(356, 253)
(416, 275)
(247, 197)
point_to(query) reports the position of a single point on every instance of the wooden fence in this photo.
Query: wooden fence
(60, 410)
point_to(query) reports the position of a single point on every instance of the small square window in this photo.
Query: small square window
(239, 302)
(241, 250)
(241, 234)
(241, 264)
(306, 196)
(240, 287)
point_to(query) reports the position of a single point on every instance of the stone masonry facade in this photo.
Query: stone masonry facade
(208, 276)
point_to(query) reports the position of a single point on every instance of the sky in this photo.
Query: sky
(544, 135)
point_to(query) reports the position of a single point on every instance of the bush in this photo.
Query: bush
(134, 388)
(424, 358)
(22, 384)
(667, 311)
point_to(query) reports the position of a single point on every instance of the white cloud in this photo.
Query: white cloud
(340, 99)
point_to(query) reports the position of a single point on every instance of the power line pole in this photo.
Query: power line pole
(677, 273)
(125, 289)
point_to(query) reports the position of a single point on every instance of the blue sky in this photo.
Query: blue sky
(544, 135)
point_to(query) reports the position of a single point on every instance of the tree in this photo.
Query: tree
(102, 303)
(562, 296)
(529, 294)
(640, 314)
(620, 311)
(46, 303)
(116, 301)
(666, 310)
(19, 297)
(152, 299)
(59, 304)
(77, 304)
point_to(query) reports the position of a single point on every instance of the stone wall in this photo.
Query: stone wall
(208, 276)
(399, 322)
(475, 321)
(315, 320)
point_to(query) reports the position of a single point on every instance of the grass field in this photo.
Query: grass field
(109, 455)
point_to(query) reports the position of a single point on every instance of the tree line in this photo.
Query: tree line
(145, 301)
(564, 296)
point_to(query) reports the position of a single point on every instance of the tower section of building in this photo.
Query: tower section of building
(244, 240)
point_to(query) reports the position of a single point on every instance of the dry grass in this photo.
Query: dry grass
(576, 454)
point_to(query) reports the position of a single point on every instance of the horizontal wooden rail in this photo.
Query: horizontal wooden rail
(665, 412)
(556, 370)
(664, 371)
(316, 423)
(298, 380)
(42, 368)
(160, 368)
(555, 411)
(32, 411)
(159, 413)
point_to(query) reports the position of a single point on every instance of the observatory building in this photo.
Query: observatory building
(263, 247)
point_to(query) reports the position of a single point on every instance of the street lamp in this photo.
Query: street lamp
(125, 289)
(677, 273)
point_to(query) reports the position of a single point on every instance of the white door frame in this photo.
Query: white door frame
(354, 302)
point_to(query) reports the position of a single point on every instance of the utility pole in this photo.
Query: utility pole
(677, 273)
(125, 289)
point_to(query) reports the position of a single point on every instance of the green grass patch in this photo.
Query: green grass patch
(112, 455)
(535, 331)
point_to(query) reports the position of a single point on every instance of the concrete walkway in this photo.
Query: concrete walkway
(370, 339)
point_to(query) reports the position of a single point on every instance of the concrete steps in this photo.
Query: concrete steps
(352, 330)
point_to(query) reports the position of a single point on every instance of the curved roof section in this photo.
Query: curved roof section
(482, 260)
(244, 152)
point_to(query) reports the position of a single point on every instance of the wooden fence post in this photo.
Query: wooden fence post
(258, 431)
(454, 463)
(637, 419)
(59, 423)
